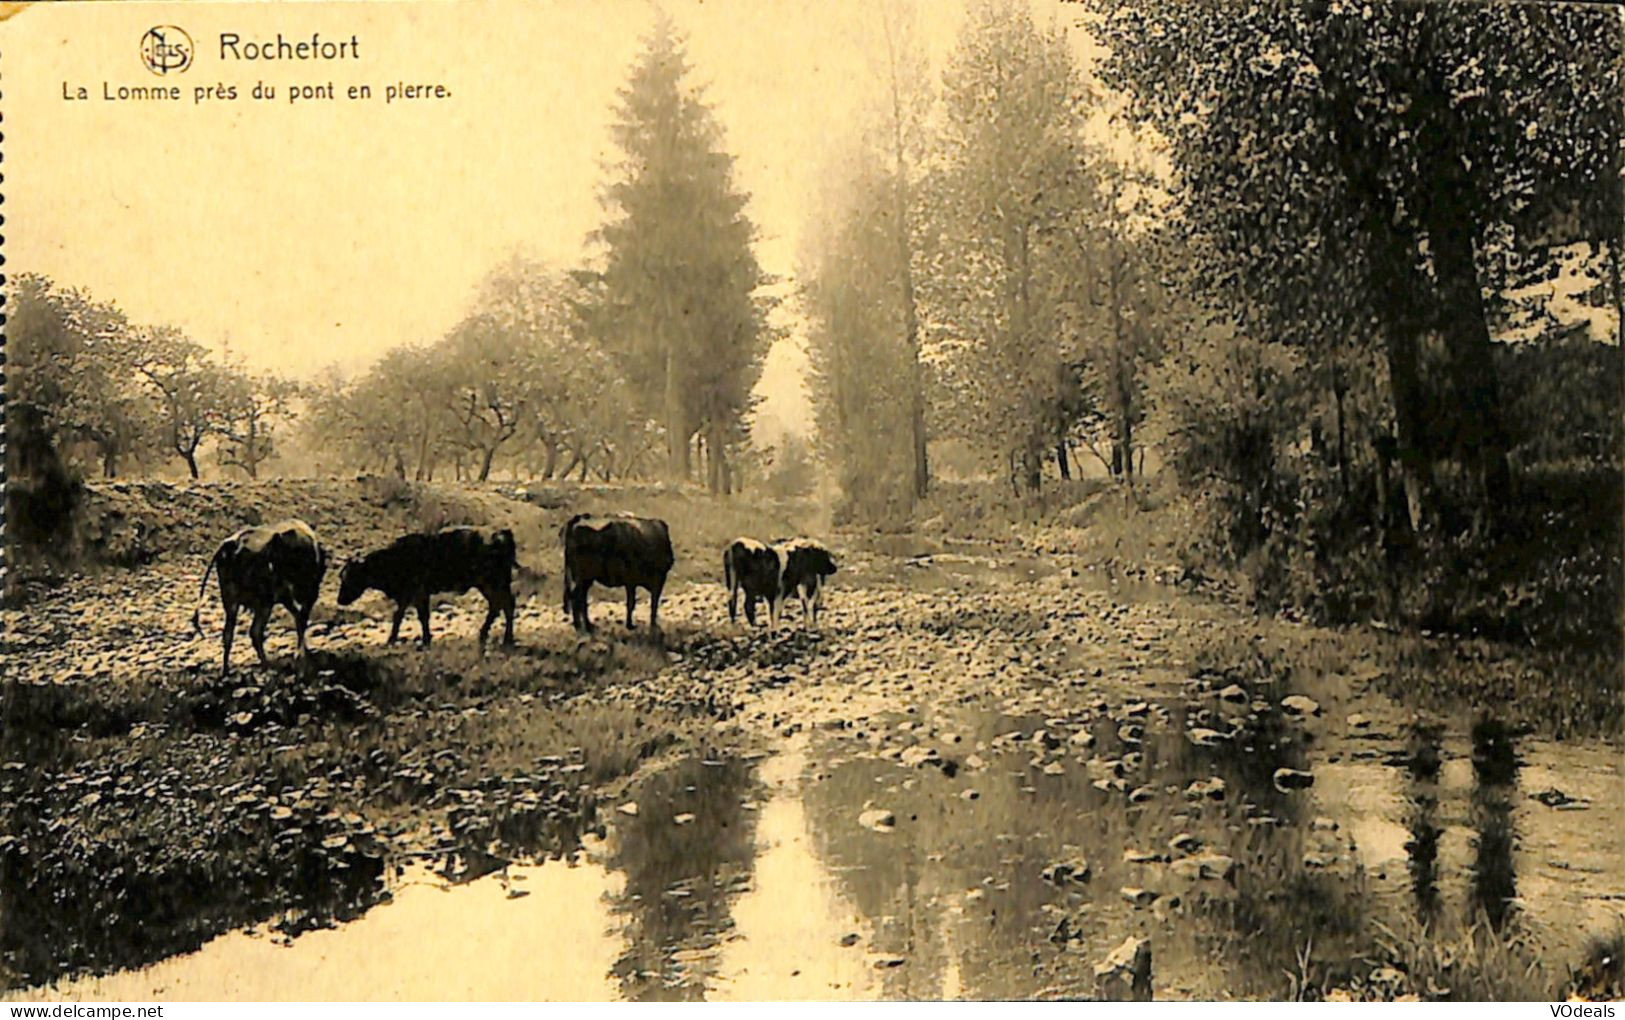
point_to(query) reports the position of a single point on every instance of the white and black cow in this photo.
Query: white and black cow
(752, 568)
(261, 568)
(414, 568)
(616, 551)
(805, 565)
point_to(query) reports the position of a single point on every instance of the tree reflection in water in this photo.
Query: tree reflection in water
(682, 879)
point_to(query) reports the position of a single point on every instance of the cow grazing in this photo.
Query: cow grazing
(261, 568)
(413, 569)
(617, 551)
(806, 564)
(751, 567)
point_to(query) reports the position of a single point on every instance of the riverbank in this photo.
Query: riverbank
(992, 767)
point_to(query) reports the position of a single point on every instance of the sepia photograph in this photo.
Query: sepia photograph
(813, 500)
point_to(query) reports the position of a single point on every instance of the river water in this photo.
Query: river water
(778, 889)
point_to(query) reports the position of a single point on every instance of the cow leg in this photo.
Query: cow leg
(256, 632)
(490, 616)
(772, 614)
(227, 635)
(631, 605)
(654, 608)
(301, 621)
(395, 624)
(733, 604)
(818, 600)
(583, 617)
(507, 614)
(750, 609)
(423, 618)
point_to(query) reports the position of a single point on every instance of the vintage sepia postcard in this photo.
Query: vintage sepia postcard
(813, 500)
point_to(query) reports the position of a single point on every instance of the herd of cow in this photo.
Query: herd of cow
(283, 564)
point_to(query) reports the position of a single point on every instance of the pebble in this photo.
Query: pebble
(1299, 705)
(1137, 896)
(878, 819)
(1292, 779)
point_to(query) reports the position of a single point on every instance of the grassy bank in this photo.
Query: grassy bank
(148, 805)
(1551, 662)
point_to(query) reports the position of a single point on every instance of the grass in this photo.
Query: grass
(153, 804)
(1478, 964)
(1564, 683)
(142, 818)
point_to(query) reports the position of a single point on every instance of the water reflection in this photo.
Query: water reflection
(686, 856)
(1421, 766)
(531, 932)
(957, 889)
(797, 937)
(775, 880)
(1495, 767)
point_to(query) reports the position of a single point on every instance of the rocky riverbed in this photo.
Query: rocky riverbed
(989, 773)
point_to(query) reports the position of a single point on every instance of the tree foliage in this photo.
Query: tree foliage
(862, 363)
(678, 296)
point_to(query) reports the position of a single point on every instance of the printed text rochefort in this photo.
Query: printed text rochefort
(234, 47)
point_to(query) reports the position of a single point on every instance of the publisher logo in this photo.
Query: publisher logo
(166, 50)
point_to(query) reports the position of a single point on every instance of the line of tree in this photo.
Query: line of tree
(1284, 263)
(109, 396)
(516, 385)
(978, 257)
(641, 362)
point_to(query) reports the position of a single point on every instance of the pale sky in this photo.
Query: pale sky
(309, 234)
(322, 232)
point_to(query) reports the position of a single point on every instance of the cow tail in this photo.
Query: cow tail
(728, 570)
(197, 610)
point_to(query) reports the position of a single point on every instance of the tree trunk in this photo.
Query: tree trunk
(1415, 467)
(676, 424)
(1122, 393)
(1062, 462)
(1467, 336)
(251, 450)
(1338, 391)
(911, 336)
(552, 460)
(191, 462)
(1032, 466)
(582, 475)
(485, 463)
(1126, 428)
(1392, 272)
(424, 469)
(905, 270)
(109, 461)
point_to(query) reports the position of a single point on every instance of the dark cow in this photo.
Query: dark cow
(413, 569)
(806, 564)
(261, 568)
(617, 551)
(752, 567)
